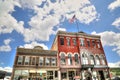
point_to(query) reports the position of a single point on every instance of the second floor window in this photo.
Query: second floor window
(102, 58)
(69, 59)
(47, 61)
(62, 59)
(92, 59)
(62, 41)
(41, 61)
(97, 60)
(20, 59)
(53, 61)
(76, 59)
(27, 59)
(84, 59)
(33, 61)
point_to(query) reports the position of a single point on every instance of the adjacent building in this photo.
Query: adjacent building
(72, 56)
(35, 64)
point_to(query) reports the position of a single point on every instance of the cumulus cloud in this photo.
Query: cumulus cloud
(116, 23)
(7, 69)
(110, 38)
(33, 44)
(8, 23)
(48, 16)
(113, 65)
(6, 47)
(114, 5)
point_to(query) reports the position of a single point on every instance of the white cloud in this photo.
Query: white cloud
(110, 38)
(33, 44)
(114, 5)
(7, 69)
(116, 23)
(8, 23)
(6, 47)
(46, 18)
(113, 65)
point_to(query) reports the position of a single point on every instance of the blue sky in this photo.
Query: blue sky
(27, 23)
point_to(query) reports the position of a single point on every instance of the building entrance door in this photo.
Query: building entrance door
(101, 75)
(71, 75)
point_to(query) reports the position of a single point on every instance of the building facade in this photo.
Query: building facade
(72, 56)
(81, 56)
(35, 64)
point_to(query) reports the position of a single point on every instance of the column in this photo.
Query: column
(59, 75)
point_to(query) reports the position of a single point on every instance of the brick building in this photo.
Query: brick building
(72, 55)
(80, 55)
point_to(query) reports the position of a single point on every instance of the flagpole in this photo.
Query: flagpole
(77, 25)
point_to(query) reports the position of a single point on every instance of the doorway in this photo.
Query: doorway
(101, 75)
(71, 75)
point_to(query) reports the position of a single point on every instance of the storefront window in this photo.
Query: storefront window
(62, 61)
(69, 59)
(76, 59)
(53, 61)
(64, 75)
(49, 75)
(41, 61)
(27, 59)
(20, 59)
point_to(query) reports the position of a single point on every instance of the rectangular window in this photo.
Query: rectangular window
(41, 61)
(49, 75)
(62, 41)
(68, 41)
(27, 59)
(20, 59)
(33, 61)
(93, 43)
(98, 44)
(47, 61)
(53, 61)
(88, 43)
(74, 41)
(82, 42)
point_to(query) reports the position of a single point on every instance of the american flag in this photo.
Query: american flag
(72, 19)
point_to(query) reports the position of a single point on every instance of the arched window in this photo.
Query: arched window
(92, 59)
(62, 58)
(76, 59)
(69, 59)
(102, 59)
(97, 60)
(84, 59)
